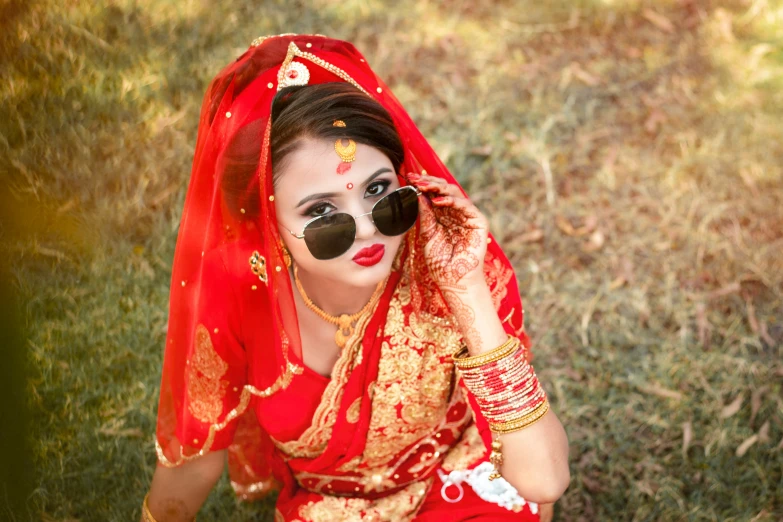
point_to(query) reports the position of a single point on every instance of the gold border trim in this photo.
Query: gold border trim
(294, 51)
(248, 391)
(314, 439)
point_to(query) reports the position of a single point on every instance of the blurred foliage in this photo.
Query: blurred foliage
(628, 154)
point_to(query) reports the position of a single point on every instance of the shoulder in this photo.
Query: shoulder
(240, 265)
(234, 259)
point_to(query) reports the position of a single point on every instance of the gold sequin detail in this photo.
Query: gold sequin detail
(258, 266)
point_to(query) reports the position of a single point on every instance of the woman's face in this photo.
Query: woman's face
(309, 186)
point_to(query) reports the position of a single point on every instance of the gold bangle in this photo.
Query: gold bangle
(522, 422)
(145, 510)
(465, 362)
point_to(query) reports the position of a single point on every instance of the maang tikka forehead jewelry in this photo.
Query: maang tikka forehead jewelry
(347, 153)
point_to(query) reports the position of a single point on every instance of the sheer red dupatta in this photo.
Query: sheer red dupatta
(214, 378)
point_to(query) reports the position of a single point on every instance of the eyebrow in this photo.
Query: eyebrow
(320, 195)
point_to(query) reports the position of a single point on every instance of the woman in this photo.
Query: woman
(327, 270)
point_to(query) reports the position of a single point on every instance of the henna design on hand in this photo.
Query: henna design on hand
(454, 245)
(465, 317)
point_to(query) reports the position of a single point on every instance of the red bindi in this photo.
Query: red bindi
(349, 186)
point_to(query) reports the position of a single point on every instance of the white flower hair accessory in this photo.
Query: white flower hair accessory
(296, 73)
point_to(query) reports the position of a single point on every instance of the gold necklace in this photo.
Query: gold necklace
(344, 322)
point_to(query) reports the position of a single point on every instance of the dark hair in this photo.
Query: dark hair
(309, 111)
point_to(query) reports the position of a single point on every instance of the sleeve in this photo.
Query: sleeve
(205, 368)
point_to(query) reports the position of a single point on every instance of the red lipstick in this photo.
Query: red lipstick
(370, 256)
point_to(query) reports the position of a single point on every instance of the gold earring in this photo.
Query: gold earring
(286, 254)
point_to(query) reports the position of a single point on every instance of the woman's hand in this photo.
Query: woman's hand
(455, 233)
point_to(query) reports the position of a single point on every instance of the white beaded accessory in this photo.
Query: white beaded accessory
(296, 73)
(497, 491)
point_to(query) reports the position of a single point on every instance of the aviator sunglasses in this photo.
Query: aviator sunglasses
(332, 235)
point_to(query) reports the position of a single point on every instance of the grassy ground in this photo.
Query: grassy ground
(629, 154)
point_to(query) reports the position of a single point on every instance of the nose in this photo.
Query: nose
(365, 228)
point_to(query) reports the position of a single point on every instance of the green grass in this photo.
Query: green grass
(628, 153)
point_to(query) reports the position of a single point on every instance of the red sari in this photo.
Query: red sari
(373, 441)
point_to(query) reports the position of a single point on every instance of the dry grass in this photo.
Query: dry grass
(629, 154)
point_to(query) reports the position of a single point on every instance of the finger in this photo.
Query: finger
(444, 189)
(475, 218)
(454, 201)
(434, 179)
(427, 222)
(425, 204)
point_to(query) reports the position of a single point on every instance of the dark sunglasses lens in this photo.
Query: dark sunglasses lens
(396, 213)
(330, 236)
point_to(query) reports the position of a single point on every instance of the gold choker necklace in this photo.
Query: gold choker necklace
(344, 322)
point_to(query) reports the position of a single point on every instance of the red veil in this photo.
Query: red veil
(233, 344)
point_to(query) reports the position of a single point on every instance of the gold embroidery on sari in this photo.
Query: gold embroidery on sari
(352, 414)
(350, 465)
(466, 451)
(316, 437)
(415, 379)
(386, 477)
(205, 389)
(248, 391)
(400, 506)
(410, 398)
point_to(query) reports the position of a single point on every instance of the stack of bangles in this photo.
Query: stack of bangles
(506, 389)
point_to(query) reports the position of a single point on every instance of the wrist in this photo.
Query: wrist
(469, 288)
